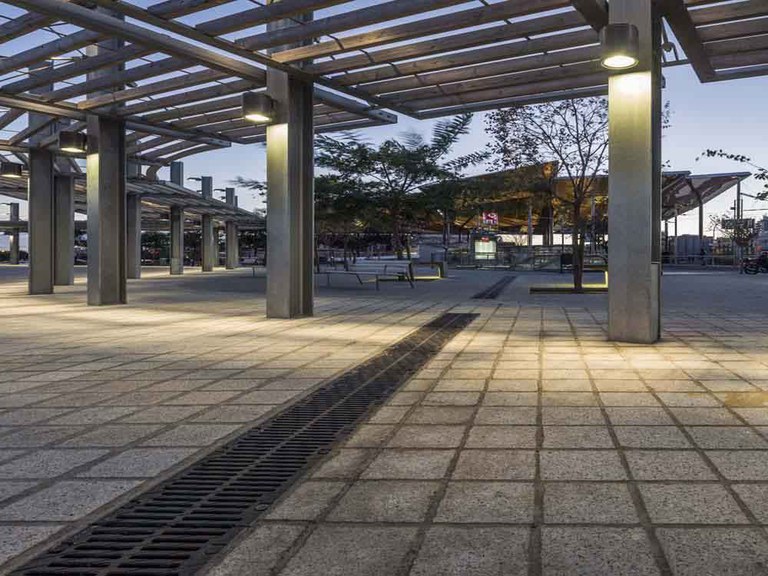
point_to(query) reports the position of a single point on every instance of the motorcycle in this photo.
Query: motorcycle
(755, 265)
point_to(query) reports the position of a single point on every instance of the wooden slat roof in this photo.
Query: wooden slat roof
(423, 58)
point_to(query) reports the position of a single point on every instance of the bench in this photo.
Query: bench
(375, 277)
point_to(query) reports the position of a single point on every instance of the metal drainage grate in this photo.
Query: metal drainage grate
(495, 289)
(178, 526)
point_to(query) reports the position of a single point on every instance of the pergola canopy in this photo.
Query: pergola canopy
(157, 197)
(185, 62)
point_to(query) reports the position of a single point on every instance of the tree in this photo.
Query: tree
(393, 173)
(760, 174)
(572, 137)
(741, 232)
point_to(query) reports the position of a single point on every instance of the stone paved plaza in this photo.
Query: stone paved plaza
(529, 445)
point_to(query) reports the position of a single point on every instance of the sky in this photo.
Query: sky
(728, 115)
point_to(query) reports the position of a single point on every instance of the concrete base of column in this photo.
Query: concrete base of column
(64, 224)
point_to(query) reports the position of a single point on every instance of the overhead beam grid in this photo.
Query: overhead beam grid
(180, 85)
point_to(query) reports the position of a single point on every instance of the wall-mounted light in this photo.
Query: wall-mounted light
(10, 170)
(258, 107)
(74, 142)
(620, 46)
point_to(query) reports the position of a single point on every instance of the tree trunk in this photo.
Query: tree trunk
(577, 243)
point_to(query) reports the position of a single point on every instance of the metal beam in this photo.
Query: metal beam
(679, 19)
(132, 123)
(595, 12)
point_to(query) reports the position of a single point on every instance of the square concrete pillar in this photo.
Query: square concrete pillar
(232, 246)
(634, 209)
(177, 173)
(15, 234)
(41, 222)
(64, 227)
(133, 254)
(107, 192)
(232, 242)
(107, 198)
(177, 240)
(290, 195)
(209, 248)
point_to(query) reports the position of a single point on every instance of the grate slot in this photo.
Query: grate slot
(494, 290)
(176, 527)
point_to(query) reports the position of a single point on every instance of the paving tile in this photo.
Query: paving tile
(201, 397)
(409, 464)
(588, 551)
(165, 414)
(113, 435)
(625, 416)
(347, 550)
(268, 397)
(16, 539)
(568, 399)
(495, 465)
(651, 437)
(389, 415)
(138, 463)
(9, 488)
(501, 437)
(581, 465)
(440, 415)
(473, 551)
(449, 385)
(740, 465)
(36, 436)
(192, 435)
(427, 437)
(577, 437)
(668, 465)
(233, 414)
(691, 504)
(727, 437)
(591, 502)
(714, 551)
(705, 417)
(510, 399)
(501, 415)
(385, 501)
(370, 436)
(518, 385)
(486, 502)
(65, 501)
(24, 416)
(307, 501)
(345, 463)
(47, 463)
(687, 399)
(257, 552)
(451, 399)
(572, 416)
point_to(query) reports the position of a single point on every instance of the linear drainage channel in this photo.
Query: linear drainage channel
(177, 527)
(493, 291)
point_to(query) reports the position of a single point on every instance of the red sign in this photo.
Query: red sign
(490, 219)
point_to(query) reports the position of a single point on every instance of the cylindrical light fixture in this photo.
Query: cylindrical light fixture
(10, 170)
(72, 142)
(258, 107)
(620, 46)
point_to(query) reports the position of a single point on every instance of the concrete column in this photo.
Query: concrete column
(634, 308)
(15, 234)
(64, 227)
(41, 269)
(41, 204)
(177, 173)
(232, 246)
(290, 196)
(133, 253)
(106, 191)
(530, 224)
(106, 212)
(209, 248)
(177, 240)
